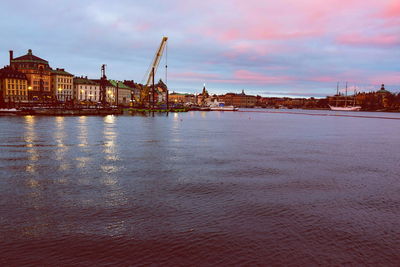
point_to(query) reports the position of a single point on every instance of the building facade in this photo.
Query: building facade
(239, 100)
(86, 90)
(181, 98)
(111, 93)
(203, 98)
(38, 74)
(13, 85)
(136, 88)
(124, 93)
(62, 85)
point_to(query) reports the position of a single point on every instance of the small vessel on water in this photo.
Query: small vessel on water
(345, 107)
(220, 106)
(9, 111)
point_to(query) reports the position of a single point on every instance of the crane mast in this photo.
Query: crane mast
(152, 70)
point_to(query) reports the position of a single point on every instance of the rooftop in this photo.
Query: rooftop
(60, 72)
(84, 80)
(29, 57)
(121, 85)
(8, 72)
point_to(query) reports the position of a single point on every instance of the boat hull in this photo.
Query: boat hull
(10, 111)
(224, 109)
(353, 108)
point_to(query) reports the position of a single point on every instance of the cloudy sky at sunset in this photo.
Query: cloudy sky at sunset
(267, 47)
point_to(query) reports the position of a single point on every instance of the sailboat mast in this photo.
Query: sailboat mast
(345, 99)
(337, 93)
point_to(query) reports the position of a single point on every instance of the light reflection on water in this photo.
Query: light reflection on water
(199, 187)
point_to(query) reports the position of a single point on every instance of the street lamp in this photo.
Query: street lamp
(59, 93)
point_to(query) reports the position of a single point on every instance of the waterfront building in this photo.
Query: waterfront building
(136, 88)
(38, 74)
(181, 98)
(111, 93)
(62, 85)
(239, 100)
(161, 92)
(124, 92)
(13, 85)
(204, 97)
(177, 98)
(384, 97)
(86, 90)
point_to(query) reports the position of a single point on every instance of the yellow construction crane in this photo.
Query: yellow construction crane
(151, 72)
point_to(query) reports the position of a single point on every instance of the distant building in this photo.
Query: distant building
(110, 91)
(13, 85)
(203, 98)
(125, 93)
(136, 89)
(181, 98)
(86, 90)
(239, 100)
(62, 85)
(383, 96)
(161, 92)
(38, 73)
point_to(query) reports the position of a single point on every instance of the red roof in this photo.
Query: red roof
(30, 57)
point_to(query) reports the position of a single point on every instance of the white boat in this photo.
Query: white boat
(9, 111)
(345, 107)
(348, 108)
(220, 106)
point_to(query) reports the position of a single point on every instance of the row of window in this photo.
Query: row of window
(15, 92)
(16, 86)
(38, 82)
(65, 86)
(17, 81)
(64, 80)
(37, 88)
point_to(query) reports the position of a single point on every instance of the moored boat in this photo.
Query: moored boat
(345, 107)
(220, 106)
(9, 111)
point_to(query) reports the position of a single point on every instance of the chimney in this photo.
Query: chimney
(11, 56)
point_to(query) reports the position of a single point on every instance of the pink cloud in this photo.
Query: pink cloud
(392, 9)
(324, 79)
(392, 78)
(258, 78)
(194, 76)
(377, 40)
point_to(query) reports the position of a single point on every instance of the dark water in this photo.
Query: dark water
(200, 189)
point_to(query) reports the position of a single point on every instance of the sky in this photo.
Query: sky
(297, 48)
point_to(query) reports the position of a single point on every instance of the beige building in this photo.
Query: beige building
(86, 90)
(62, 85)
(38, 73)
(125, 93)
(13, 85)
(111, 93)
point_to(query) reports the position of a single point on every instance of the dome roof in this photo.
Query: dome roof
(383, 90)
(29, 57)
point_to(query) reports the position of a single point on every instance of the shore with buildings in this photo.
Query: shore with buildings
(379, 100)
(29, 81)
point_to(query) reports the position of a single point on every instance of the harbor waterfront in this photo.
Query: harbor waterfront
(201, 188)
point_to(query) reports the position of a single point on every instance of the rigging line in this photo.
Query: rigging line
(166, 64)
